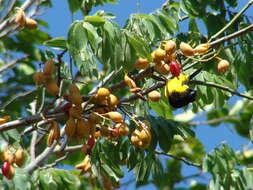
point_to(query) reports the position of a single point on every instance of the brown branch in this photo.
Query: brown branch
(231, 36)
(30, 120)
(12, 63)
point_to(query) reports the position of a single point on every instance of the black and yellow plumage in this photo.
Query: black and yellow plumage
(178, 92)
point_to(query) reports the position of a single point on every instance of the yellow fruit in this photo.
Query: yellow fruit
(130, 82)
(159, 55)
(170, 47)
(113, 102)
(82, 128)
(123, 129)
(135, 139)
(75, 111)
(145, 136)
(20, 18)
(103, 92)
(30, 23)
(76, 98)
(135, 90)
(47, 79)
(186, 49)
(38, 78)
(11, 173)
(19, 157)
(154, 96)
(49, 67)
(162, 68)
(50, 138)
(114, 116)
(53, 88)
(56, 130)
(4, 119)
(141, 63)
(70, 127)
(8, 156)
(223, 66)
(202, 48)
(171, 57)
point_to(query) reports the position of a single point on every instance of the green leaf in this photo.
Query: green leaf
(251, 129)
(141, 47)
(92, 35)
(56, 43)
(74, 5)
(21, 180)
(78, 48)
(95, 19)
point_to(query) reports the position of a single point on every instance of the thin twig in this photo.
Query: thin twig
(225, 88)
(12, 63)
(57, 161)
(179, 159)
(232, 21)
(212, 121)
(18, 96)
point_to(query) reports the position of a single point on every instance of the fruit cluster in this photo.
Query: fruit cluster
(45, 78)
(11, 156)
(141, 137)
(23, 21)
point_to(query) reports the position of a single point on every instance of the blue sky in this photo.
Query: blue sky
(59, 19)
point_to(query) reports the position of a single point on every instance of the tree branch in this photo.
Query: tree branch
(212, 121)
(30, 120)
(34, 164)
(225, 88)
(12, 63)
(179, 159)
(231, 36)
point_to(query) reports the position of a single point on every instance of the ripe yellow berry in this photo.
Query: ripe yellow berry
(53, 88)
(30, 23)
(170, 47)
(49, 67)
(130, 82)
(186, 49)
(38, 78)
(114, 116)
(70, 127)
(223, 66)
(141, 63)
(202, 48)
(162, 68)
(20, 18)
(154, 96)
